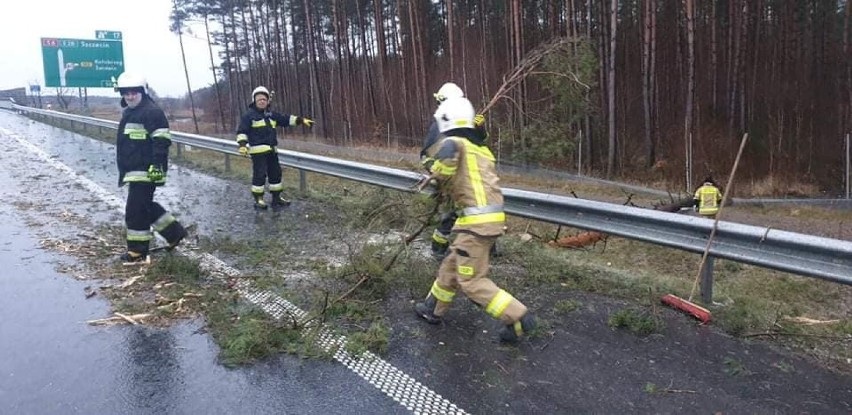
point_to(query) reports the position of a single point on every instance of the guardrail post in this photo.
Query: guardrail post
(227, 163)
(707, 281)
(303, 181)
(179, 153)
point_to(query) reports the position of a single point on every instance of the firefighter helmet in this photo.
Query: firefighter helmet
(260, 90)
(447, 91)
(454, 113)
(131, 81)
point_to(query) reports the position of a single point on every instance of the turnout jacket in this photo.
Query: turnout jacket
(257, 128)
(465, 168)
(143, 140)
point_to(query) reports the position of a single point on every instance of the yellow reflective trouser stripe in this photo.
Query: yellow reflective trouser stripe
(476, 180)
(465, 270)
(443, 169)
(136, 176)
(263, 148)
(480, 219)
(241, 138)
(163, 222)
(439, 237)
(138, 236)
(442, 295)
(257, 189)
(276, 187)
(498, 304)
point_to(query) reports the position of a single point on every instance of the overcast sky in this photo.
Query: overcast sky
(149, 48)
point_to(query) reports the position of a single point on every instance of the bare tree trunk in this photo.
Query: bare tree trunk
(612, 151)
(215, 78)
(248, 49)
(646, 80)
(450, 39)
(316, 93)
(185, 70)
(690, 94)
(714, 59)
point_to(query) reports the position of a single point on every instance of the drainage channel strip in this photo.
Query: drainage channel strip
(393, 382)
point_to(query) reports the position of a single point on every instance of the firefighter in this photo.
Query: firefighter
(142, 155)
(707, 199)
(464, 167)
(257, 138)
(431, 142)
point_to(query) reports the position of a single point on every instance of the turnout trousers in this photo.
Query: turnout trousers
(265, 166)
(466, 269)
(143, 216)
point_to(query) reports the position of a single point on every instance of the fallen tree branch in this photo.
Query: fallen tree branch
(119, 319)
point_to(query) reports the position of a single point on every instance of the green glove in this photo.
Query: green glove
(155, 173)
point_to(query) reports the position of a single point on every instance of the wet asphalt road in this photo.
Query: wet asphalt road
(57, 364)
(52, 362)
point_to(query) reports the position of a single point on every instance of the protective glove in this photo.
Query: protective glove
(244, 151)
(423, 183)
(478, 120)
(307, 122)
(155, 173)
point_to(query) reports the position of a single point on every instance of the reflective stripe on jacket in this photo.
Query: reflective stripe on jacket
(257, 129)
(143, 139)
(469, 172)
(708, 198)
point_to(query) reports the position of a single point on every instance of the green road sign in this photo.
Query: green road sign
(81, 62)
(107, 35)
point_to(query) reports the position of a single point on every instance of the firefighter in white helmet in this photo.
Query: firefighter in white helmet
(465, 168)
(257, 138)
(431, 142)
(142, 155)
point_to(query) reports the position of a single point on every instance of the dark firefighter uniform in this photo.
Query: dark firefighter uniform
(142, 145)
(465, 167)
(257, 131)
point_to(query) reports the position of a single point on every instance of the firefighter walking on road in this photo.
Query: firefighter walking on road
(465, 168)
(431, 143)
(257, 138)
(142, 156)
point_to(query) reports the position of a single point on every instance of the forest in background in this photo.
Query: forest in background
(635, 89)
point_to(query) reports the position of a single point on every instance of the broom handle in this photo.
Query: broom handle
(718, 216)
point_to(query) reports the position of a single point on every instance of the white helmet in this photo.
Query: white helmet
(129, 80)
(260, 90)
(447, 91)
(454, 113)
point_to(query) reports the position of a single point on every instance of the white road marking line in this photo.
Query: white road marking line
(393, 382)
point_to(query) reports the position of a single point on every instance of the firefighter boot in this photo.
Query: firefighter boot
(426, 310)
(134, 258)
(259, 204)
(182, 233)
(278, 201)
(511, 333)
(440, 245)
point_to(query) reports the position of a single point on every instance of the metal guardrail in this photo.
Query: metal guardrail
(807, 255)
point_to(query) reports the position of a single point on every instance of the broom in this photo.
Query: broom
(688, 306)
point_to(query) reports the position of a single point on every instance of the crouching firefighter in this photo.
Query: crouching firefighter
(257, 138)
(142, 155)
(464, 166)
(431, 143)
